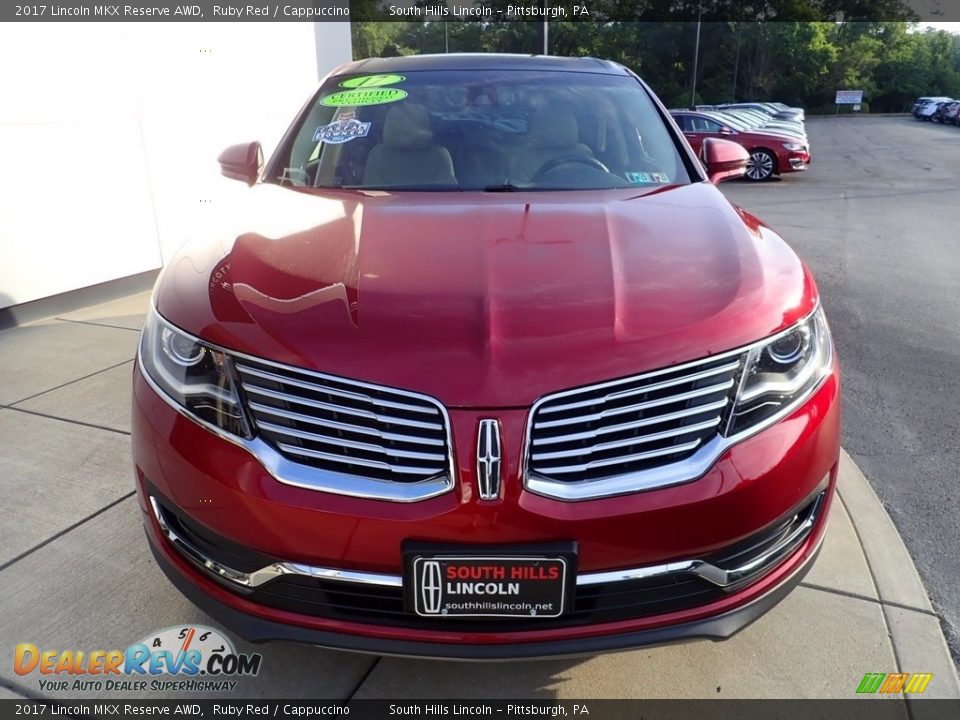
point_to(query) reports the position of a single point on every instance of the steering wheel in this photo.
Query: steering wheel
(568, 160)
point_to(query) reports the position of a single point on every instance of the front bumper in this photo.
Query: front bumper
(262, 629)
(223, 491)
(796, 161)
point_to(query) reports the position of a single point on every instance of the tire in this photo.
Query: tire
(762, 165)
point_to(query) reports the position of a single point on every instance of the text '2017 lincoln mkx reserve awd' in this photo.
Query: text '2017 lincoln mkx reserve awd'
(483, 365)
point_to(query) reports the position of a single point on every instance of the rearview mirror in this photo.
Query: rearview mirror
(242, 162)
(723, 159)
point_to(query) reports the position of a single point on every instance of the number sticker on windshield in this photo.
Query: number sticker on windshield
(363, 96)
(638, 178)
(369, 81)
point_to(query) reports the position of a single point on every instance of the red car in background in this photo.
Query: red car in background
(770, 153)
(484, 365)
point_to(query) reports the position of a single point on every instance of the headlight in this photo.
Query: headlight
(796, 147)
(192, 375)
(782, 372)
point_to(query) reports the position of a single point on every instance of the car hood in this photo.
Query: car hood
(760, 135)
(485, 300)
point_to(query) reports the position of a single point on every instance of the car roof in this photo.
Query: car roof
(703, 113)
(718, 117)
(482, 61)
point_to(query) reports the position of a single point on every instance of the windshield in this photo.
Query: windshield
(493, 131)
(742, 120)
(753, 116)
(731, 120)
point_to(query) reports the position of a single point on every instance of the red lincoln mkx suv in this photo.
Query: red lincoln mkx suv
(484, 366)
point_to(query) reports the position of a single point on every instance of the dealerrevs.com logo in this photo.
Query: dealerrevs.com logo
(198, 659)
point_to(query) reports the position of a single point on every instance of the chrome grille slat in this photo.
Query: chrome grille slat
(320, 405)
(353, 444)
(646, 455)
(326, 389)
(643, 389)
(347, 431)
(711, 390)
(646, 422)
(615, 430)
(348, 460)
(260, 408)
(627, 442)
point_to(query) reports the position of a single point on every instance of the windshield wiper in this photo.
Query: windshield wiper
(503, 187)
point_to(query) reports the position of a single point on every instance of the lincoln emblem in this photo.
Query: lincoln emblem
(489, 456)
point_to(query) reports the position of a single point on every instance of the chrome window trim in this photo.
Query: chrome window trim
(677, 473)
(721, 577)
(287, 471)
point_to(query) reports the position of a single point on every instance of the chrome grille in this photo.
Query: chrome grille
(631, 425)
(345, 426)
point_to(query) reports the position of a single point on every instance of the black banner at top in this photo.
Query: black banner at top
(480, 10)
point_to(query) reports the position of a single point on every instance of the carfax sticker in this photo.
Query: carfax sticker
(638, 178)
(363, 96)
(369, 81)
(341, 131)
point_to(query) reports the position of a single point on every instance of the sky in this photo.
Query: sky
(953, 27)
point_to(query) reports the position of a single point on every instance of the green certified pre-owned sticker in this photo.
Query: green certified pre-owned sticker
(363, 96)
(369, 81)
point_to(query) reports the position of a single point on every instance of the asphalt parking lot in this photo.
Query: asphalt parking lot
(876, 218)
(76, 573)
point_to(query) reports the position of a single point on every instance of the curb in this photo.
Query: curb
(912, 624)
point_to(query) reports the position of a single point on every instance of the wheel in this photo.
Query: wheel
(761, 166)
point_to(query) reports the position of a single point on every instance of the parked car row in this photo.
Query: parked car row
(772, 133)
(937, 109)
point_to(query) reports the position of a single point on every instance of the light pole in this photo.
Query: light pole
(543, 32)
(546, 28)
(696, 60)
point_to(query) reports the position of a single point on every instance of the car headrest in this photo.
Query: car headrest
(407, 127)
(552, 128)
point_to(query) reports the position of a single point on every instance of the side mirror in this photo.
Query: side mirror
(723, 159)
(726, 131)
(242, 162)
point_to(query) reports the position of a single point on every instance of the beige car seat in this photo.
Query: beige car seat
(407, 155)
(551, 133)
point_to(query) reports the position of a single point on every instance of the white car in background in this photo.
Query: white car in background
(925, 107)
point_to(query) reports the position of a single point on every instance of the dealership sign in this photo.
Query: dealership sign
(849, 97)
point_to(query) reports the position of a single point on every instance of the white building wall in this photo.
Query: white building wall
(109, 134)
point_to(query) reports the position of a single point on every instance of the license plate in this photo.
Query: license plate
(488, 586)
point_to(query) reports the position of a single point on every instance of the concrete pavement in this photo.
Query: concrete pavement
(76, 573)
(876, 219)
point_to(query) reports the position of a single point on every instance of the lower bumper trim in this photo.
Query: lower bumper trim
(804, 521)
(260, 630)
